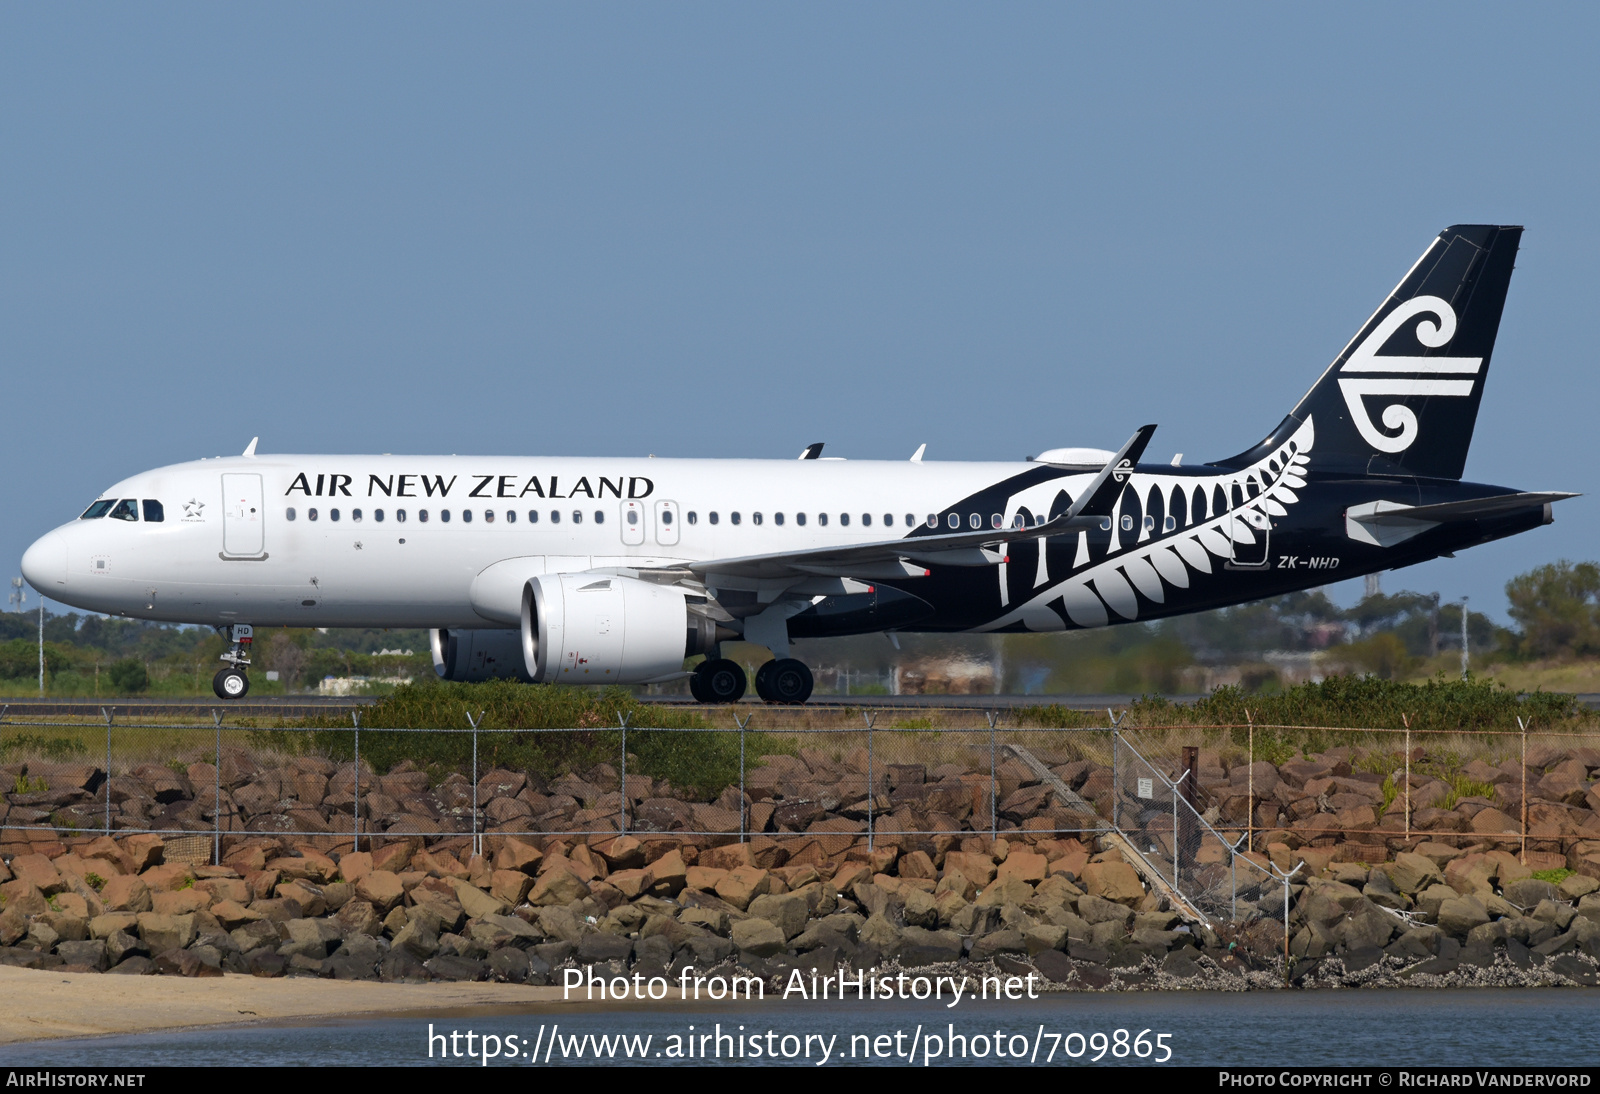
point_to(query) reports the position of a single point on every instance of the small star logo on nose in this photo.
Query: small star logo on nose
(192, 508)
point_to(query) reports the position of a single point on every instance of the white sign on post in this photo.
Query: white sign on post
(1147, 788)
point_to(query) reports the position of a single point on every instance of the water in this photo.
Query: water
(1414, 1028)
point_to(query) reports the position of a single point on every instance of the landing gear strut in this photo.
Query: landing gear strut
(718, 681)
(784, 681)
(231, 682)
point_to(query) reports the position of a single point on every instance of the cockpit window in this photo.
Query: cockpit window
(98, 509)
(153, 510)
(127, 509)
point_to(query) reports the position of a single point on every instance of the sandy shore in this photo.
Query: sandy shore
(56, 1005)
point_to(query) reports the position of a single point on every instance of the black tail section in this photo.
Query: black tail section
(1402, 398)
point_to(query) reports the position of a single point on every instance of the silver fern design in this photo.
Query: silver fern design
(1145, 557)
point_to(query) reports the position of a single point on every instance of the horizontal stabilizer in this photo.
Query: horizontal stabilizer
(1471, 509)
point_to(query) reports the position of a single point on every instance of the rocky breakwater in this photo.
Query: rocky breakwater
(1078, 917)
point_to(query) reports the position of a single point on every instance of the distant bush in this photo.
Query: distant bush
(129, 676)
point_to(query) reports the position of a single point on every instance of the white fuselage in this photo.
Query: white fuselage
(386, 541)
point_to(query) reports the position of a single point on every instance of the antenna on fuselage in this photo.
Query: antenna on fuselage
(250, 449)
(916, 457)
(812, 451)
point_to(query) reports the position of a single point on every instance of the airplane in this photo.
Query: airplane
(618, 571)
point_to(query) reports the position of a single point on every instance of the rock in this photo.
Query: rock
(742, 885)
(1528, 892)
(90, 952)
(976, 867)
(669, 874)
(1576, 887)
(166, 932)
(266, 964)
(920, 946)
(381, 889)
(511, 886)
(1027, 866)
(455, 967)
(786, 911)
(1560, 915)
(879, 933)
(120, 945)
(185, 902)
(184, 963)
(1097, 909)
(1054, 966)
(1411, 873)
(1044, 936)
(1115, 881)
(996, 942)
(1459, 915)
(137, 965)
(597, 946)
(1181, 964)
(759, 937)
(40, 872)
(1490, 821)
(125, 893)
(558, 886)
(420, 937)
(509, 964)
(476, 903)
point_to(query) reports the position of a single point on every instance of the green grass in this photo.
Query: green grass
(516, 720)
(1554, 877)
(1463, 787)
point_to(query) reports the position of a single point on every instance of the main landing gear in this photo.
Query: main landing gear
(231, 682)
(718, 681)
(784, 681)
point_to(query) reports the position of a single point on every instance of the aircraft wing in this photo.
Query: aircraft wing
(899, 558)
(888, 558)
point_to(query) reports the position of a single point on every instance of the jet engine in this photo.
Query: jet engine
(466, 656)
(597, 629)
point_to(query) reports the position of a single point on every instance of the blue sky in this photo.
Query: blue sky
(730, 230)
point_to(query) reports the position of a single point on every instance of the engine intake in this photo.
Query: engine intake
(598, 629)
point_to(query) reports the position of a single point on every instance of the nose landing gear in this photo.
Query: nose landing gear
(231, 682)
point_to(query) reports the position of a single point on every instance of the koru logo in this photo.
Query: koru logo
(1413, 375)
(1122, 471)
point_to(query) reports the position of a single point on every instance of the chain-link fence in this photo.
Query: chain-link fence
(1199, 825)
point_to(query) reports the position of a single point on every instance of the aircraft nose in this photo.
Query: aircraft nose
(45, 563)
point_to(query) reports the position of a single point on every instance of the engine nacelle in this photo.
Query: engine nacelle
(598, 629)
(467, 656)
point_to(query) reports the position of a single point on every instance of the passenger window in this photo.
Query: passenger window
(555, 516)
(911, 520)
(866, 520)
(755, 518)
(954, 521)
(511, 516)
(355, 515)
(488, 516)
(98, 509)
(734, 517)
(1149, 523)
(466, 516)
(1019, 521)
(444, 516)
(666, 517)
(153, 510)
(1127, 522)
(1169, 524)
(577, 516)
(400, 515)
(933, 520)
(777, 518)
(822, 519)
(599, 516)
(800, 519)
(888, 520)
(996, 520)
(128, 509)
(311, 514)
(289, 513)
(974, 521)
(694, 518)
(422, 515)
(633, 516)
(533, 516)
(844, 520)
(333, 514)
(377, 515)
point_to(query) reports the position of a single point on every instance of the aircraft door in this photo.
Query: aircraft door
(1251, 530)
(633, 514)
(667, 523)
(243, 527)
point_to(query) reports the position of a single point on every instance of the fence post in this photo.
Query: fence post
(476, 849)
(108, 768)
(355, 716)
(994, 785)
(1523, 727)
(216, 801)
(1407, 721)
(744, 834)
(622, 810)
(872, 786)
(1116, 765)
(1250, 821)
